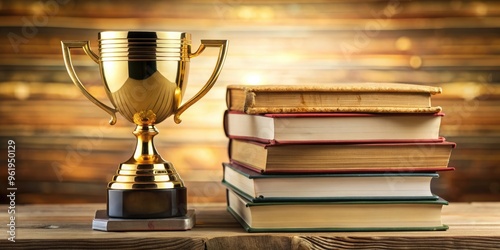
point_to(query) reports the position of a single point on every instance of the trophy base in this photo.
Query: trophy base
(104, 223)
(147, 203)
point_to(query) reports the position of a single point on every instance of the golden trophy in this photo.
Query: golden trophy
(145, 74)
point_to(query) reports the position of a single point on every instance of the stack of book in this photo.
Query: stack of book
(339, 157)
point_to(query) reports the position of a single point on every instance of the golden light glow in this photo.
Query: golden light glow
(253, 79)
(415, 62)
(22, 91)
(403, 43)
(255, 12)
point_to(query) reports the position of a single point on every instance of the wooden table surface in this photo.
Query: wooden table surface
(472, 226)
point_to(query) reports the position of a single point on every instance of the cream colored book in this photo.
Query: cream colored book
(258, 187)
(352, 97)
(333, 127)
(392, 215)
(331, 157)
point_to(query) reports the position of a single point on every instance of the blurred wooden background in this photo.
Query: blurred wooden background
(66, 152)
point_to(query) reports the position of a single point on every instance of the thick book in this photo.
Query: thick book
(303, 127)
(338, 157)
(258, 187)
(345, 98)
(393, 215)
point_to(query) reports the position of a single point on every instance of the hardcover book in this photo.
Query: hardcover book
(393, 215)
(304, 127)
(330, 157)
(258, 187)
(345, 98)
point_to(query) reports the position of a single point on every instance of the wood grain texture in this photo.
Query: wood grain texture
(451, 44)
(472, 226)
(112, 243)
(250, 242)
(411, 242)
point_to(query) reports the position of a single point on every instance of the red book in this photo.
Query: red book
(333, 127)
(333, 157)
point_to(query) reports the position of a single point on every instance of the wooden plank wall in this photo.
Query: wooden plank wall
(66, 152)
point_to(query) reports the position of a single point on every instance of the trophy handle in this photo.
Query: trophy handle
(85, 45)
(222, 45)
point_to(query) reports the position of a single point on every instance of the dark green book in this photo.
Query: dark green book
(395, 215)
(258, 187)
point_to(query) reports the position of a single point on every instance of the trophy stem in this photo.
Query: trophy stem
(146, 186)
(145, 151)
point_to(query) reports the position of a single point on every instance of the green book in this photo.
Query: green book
(394, 215)
(258, 187)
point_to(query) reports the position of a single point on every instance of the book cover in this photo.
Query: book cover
(258, 187)
(344, 98)
(393, 215)
(333, 127)
(328, 157)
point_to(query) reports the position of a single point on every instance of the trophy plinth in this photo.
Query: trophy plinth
(146, 186)
(147, 204)
(145, 76)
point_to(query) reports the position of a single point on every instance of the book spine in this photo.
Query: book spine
(228, 98)
(225, 124)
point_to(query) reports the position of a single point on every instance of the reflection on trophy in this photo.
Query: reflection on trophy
(145, 76)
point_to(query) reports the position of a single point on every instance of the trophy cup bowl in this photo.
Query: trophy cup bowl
(145, 76)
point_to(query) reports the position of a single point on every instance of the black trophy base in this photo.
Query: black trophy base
(147, 204)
